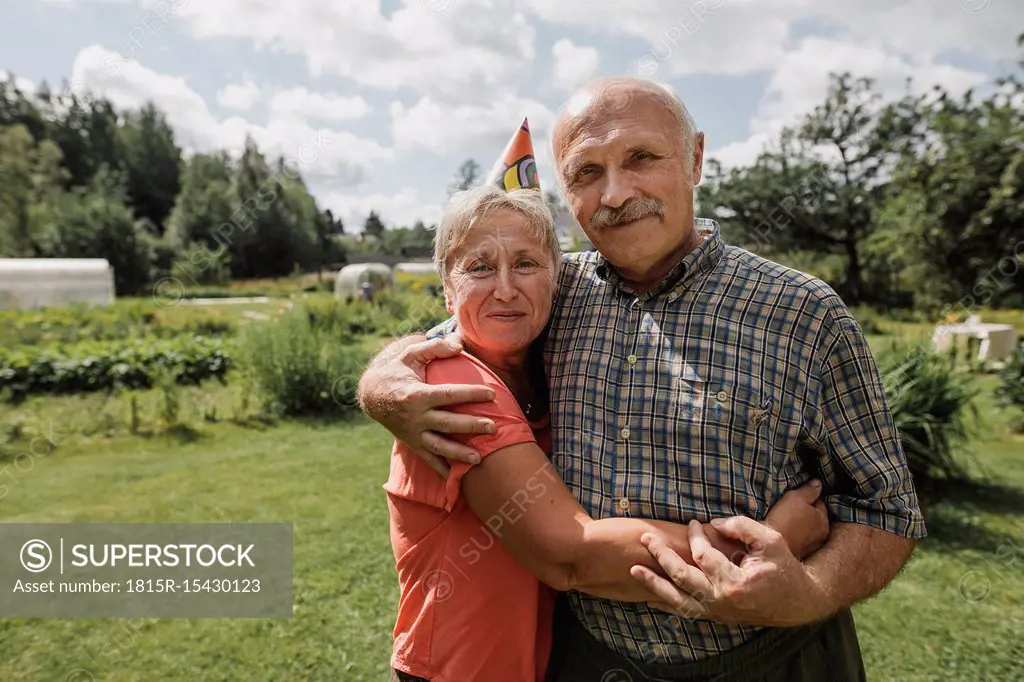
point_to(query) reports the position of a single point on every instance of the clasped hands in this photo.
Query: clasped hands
(767, 584)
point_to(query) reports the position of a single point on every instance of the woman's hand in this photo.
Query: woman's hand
(801, 518)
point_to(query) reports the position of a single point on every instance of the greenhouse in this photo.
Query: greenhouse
(361, 280)
(42, 282)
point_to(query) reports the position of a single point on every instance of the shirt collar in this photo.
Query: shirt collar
(695, 264)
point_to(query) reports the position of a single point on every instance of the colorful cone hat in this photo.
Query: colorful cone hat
(516, 167)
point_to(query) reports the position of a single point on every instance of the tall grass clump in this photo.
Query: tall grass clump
(302, 365)
(930, 396)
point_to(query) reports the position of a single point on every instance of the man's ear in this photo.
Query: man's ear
(698, 157)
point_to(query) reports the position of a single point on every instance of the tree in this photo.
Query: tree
(86, 132)
(373, 227)
(204, 203)
(94, 222)
(152, 163)
(953, 221)
(821, 189)
(30, 176)
(466, 177)
(336, 226)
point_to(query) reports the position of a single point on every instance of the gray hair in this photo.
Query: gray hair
(604, 88)
(466, 208)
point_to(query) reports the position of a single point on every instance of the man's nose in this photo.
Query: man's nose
(618, 189)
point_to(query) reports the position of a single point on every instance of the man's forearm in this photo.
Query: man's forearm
(368, 401)
(856, 562)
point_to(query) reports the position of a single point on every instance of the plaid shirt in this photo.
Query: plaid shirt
(733, 381)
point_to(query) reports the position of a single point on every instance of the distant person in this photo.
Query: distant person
(685, 376)
(366, 291)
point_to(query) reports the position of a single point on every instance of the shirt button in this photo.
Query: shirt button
(624, 504)
(624, 433)
(722, 396)
(632, 359)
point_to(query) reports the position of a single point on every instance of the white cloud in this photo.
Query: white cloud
(301, 103)
(706, 36)
(401, 209)
(437, 128)
(801, 82)
(744, 36)
(322, 152)
(239, 96)
(294, 103)
(574, 64)
(926, 29)
(463, 52)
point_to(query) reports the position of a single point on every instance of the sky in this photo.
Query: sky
(380, 101)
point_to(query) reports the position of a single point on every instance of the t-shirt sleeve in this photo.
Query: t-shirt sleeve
(511, 425)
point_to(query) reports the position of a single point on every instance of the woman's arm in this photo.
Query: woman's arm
(522, 500)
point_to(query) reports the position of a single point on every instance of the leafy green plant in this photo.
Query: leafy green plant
(301, 366)
(126, 319)
(930, 396)
(869, 319)
(1010, 392)
(105, 365)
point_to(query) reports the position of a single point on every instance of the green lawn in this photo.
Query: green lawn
(957, 612)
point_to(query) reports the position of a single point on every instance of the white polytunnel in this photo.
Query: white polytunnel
(27, 283)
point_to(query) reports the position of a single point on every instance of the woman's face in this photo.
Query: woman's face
(501, 284)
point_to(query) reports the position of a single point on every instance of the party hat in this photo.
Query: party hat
(516, 167)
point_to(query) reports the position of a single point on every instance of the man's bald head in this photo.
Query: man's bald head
(627, 158)
(611, 96)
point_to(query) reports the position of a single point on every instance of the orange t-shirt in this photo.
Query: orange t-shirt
(468, 612)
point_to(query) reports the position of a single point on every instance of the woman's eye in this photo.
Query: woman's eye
(643, 156)
(480, 267)
(526, 264)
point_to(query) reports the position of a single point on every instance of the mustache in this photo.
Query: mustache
(635, 209)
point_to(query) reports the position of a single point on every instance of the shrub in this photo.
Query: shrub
(1010, 392)
(301, 365)
(868, 319)
(931, 403)
(125, 319)
(97, 365)
(391, 313)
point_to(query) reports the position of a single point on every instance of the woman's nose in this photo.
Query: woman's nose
(504, 287)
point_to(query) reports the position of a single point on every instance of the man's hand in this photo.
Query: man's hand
(802, 519)
(393, 392)
(769, 586)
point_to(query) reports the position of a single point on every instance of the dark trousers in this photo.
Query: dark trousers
(824, 652)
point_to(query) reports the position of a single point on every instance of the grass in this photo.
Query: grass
(957, 610)
(955, 613)
(325, 479)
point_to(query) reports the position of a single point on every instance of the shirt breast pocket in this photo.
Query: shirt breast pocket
(735, 422)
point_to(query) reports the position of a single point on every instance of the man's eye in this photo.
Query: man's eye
(643, 155)
(526, 264)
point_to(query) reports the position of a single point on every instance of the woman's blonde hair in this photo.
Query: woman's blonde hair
(466, 208)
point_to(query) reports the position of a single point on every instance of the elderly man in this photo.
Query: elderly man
(691, 380)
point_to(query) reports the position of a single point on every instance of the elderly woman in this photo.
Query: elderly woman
(480, 553)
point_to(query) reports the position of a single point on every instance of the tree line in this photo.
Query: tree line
(80, 179)
(917, 202)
